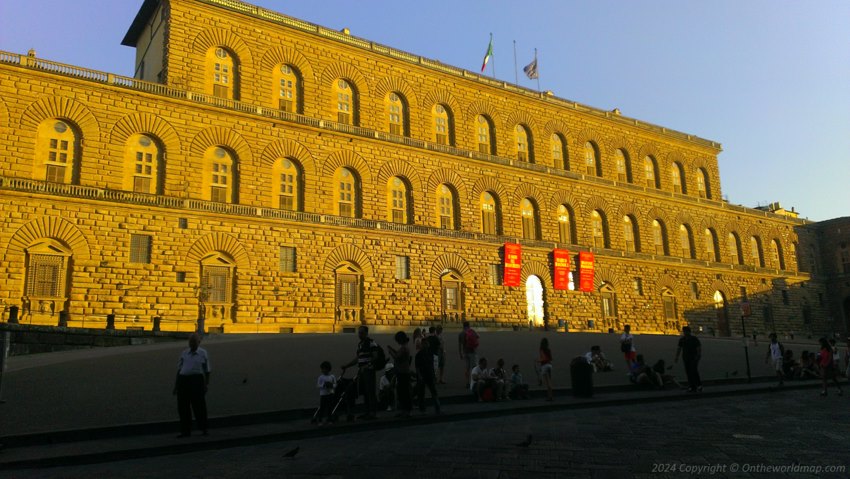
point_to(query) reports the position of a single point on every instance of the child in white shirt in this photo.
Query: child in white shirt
(326, 384)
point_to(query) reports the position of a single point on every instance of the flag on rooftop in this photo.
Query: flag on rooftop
(488, 54)
(531, 69)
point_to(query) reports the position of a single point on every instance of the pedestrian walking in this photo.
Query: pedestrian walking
(828, 368)
(545, 360)
(191, 385)
(627, 346)
(691, 351)
(467, 347)
(401, 360)
(370, 357)
(775, 356)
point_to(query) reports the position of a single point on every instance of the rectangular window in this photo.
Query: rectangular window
(217, 280)
(141, 184)
(181, 276)
(402, 267)
(218, 194)
(488, 222)
(451, 293)
(495, 274)
(637, 283)
(395, 129)
(345, 209)
(285, 105)
(398, 216)
(445, 222)
(43, 275)
(348, 290)
(55, 174)
(442, 139)
(286, 202)
(344, 118)
(287, 259)
(743, 293)
(220, 91)
(140, 249)
(609, 305)
(182, 223)
(695, 289)
(484, 148)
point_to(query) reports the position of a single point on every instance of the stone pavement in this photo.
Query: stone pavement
(113, 405)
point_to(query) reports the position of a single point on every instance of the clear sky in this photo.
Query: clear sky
(768, 79)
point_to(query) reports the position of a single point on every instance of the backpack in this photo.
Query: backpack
(471, 340)
(380, 360)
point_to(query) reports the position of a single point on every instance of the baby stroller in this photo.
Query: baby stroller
(345, 394)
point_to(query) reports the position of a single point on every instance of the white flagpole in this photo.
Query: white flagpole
(516, 73)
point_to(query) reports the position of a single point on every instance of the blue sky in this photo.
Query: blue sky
(768, 79)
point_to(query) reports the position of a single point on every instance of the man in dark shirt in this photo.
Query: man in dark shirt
(366, 355)
(691, 351)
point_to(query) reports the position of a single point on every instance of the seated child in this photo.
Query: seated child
(597, 359)
(519, 390)
(501, 377)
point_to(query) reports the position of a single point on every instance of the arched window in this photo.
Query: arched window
(451, 285)
(222, 73)
(397, 114)
(47, 268)
(566, 228)
(216, 293)
(592, 166)
(650, 172)
(442, 125)
(733, 244)
(686, 241)
(485, 134)
(398, 200)
(288, 185)
(702, 184)
(630, 234)
(447, 207)
(671, 313)
(287, 89)
(659, 238)
(624, 171)
(599, 228)
(530, 223)
(142, 160)
(677, 175)
(346, 102)
(756, 251)
(490, 215)
(347, 191)
(219, 178)
(776, 252)
(559, 152)
(348, 279)
(711, 249)
(57, 152)
(609, 302)
(523, 144)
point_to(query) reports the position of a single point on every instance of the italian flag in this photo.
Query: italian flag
(488, 54)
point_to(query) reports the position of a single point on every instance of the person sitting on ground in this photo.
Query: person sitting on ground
(501, 377)
(790, 367)
(808, 366)
(596, 358)
(666, 378)
(643, 375)
(519, 389)
(481, 379)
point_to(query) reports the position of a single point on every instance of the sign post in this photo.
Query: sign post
(746, 312)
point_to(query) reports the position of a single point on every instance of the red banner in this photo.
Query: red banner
(562, 268)
(585, 271)
(513, 265)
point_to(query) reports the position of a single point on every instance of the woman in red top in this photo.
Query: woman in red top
(827, 366)
(545, 361)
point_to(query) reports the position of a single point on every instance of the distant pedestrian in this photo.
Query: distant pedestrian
(691, 351)
(368, 353)
(326, 384)
(191, 385)
(401, 360)
(441, 356)
(627, 345)
(828, 368)
(545, 360)
(467, 346)
(775, 356)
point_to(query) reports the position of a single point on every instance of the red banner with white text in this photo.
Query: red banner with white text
(585, 271)
(561, 258)
(513, 265)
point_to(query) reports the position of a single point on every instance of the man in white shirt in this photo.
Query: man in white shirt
(627, 345)
(481, 379)
(190, 387)
(775, 354)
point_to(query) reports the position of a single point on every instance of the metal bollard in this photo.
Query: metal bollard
(13, 315)
(110, 321)
(63, 319)
(156, 323)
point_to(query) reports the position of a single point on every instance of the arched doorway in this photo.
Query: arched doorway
(534, 301)
(722, 312)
